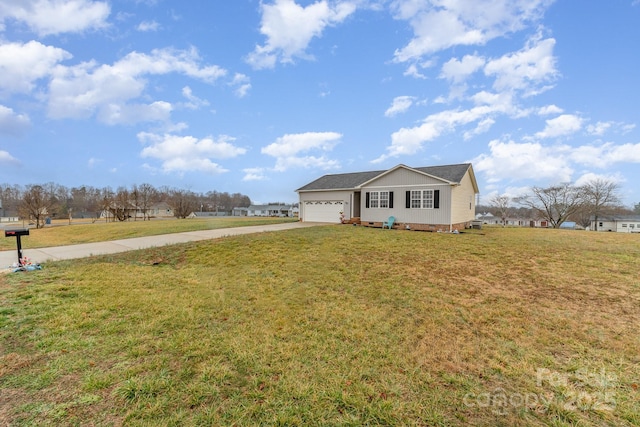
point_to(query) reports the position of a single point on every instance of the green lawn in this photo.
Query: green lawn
(334, 325)
(100, 231)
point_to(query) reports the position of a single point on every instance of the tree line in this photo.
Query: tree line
(564, 202)
(37, 202)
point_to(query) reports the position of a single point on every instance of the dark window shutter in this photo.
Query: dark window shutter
(366, 200)
(408, 200)
(436, 199)
(390, 199)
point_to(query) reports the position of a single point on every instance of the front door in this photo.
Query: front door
(355, 205)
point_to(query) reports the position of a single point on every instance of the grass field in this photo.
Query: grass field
(334, 325)
(64, 234)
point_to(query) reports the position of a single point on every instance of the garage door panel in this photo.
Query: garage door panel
(323, 210)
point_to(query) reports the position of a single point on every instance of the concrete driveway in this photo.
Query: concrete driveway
(7, 258)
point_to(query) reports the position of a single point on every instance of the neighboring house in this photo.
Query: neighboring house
(240, 211)
(206, 214)
(160, 210)
(618, 223)
(157, 210)
(489, 219)
(271, 210)
(435, 198)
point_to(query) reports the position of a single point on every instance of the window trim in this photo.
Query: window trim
(423, 199)
(379, 199)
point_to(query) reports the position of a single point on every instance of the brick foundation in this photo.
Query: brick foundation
(420, 227)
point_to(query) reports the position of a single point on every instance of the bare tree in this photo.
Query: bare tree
(502, 203)
(107, 199)
(600, 196)
(554, 204)
(134, 199)
(148, 195)
(36, 204)
(10, 198)
(182, 202)
(120, 206)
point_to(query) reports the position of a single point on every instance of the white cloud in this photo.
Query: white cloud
(441, 24)
(317, 162)
(522, 73)
(563, 125)
(187, 153)
(400, 104)
(599, 128)
(483, 127)
(590, 177)
(511, 161)
(289, 29)
(287, 150)
(548, 110)
(527, 70)
(92, 162)
(23, 64)
(413, 70)
(194, 102)
(242, 83)
(12, 123)
(6, 158)
(148, 26)
(458, 70)
(606, 154)
(409, 141)
(88, 88)
(46, 17)
(254, 174)
(118, 114)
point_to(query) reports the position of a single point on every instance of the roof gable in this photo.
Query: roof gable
(420, 171)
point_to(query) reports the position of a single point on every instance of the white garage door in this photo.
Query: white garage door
(322, 210)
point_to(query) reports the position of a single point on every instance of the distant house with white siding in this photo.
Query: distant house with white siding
(271, 210)
(616, 223)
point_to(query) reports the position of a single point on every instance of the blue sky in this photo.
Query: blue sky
(261, 97)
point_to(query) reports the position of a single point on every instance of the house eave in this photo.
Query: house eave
(319, 190)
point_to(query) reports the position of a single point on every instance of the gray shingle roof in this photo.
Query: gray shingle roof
(348, 181)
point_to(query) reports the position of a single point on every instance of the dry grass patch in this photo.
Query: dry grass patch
(101, 231)
(331, 326)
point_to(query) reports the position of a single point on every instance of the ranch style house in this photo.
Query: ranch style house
(433, 198)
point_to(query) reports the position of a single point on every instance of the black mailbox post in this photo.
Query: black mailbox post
(17, 233)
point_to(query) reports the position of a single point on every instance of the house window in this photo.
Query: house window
(416, 199)
(373, 199)
(422, 199)
(384, 199)
(379, 199)
(624, 225)
(600, 224)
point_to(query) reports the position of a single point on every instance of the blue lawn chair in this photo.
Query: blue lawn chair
(389, 222)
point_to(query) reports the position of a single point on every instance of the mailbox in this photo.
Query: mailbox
(16, 232)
